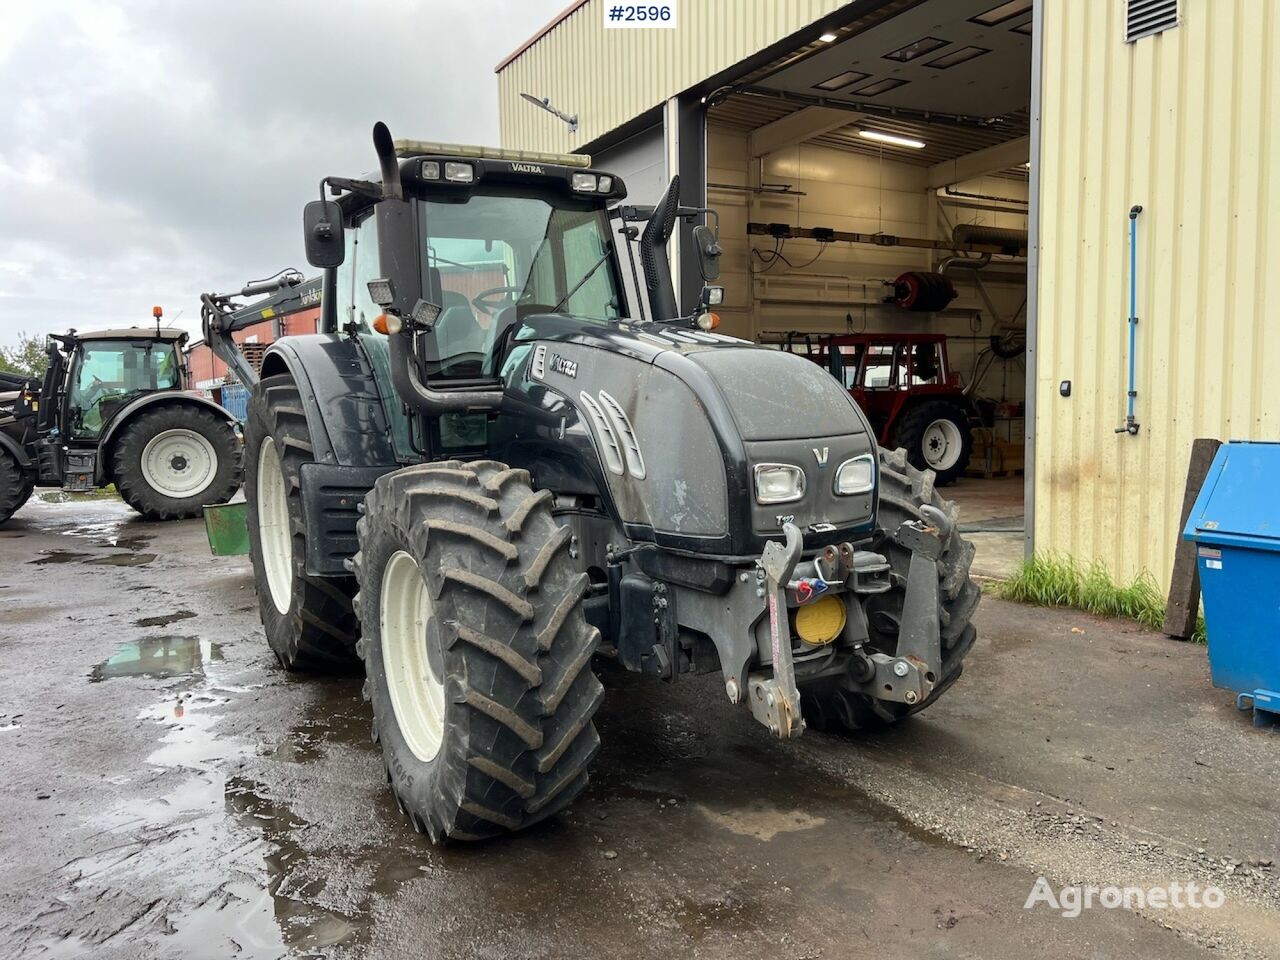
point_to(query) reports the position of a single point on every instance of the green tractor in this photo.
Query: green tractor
(114, 408)
(495, 464)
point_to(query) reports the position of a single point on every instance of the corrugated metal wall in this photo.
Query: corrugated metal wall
(608, 77)
(1185, 124)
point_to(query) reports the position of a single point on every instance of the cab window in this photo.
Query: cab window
(110, 370)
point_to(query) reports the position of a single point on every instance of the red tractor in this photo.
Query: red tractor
(906, 388)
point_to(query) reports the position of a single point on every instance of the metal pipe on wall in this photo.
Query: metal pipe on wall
(1130, 425)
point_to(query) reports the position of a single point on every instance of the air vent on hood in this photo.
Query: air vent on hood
(630, 446)
(609, 446)
(539, 364)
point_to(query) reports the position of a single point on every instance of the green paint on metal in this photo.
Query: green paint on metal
(228, 529)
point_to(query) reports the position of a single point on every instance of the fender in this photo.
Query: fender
(347, 415)
(356, 427)
(129, 410)
(15, 449)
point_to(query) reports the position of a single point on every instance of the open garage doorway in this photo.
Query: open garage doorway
(873, 189)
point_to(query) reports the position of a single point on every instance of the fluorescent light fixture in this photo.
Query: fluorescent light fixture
(841, 80)
(828, 37)
(879, 87)
(957, 57)
(917, 49)
(892, 139)
(1005, 11)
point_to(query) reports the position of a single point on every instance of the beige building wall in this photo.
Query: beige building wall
(1184, 123)
(607, 77)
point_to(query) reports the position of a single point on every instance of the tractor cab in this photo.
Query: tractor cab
(104, 370)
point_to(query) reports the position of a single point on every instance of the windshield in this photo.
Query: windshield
(111, 370)
(496, 257)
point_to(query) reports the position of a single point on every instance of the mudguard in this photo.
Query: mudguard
(358, 432)
(127, 412)
(15, 449)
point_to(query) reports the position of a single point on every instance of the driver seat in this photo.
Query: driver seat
(457, 331)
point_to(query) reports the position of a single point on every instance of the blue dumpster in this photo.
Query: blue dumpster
(1235, 525)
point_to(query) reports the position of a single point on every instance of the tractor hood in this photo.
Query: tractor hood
(669, 424)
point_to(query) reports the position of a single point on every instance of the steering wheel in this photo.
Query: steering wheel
(496, 299)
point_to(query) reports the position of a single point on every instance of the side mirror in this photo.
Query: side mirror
(322, 233)
(708, 246)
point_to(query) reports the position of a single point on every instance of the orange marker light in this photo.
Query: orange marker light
(380, 324)
(157, 312)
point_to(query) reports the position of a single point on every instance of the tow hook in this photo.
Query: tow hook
(775, 700)
(911, 675)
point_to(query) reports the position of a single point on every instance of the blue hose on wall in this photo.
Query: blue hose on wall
(1130, 422)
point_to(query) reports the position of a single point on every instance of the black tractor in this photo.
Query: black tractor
(114, 408)
(497, 464)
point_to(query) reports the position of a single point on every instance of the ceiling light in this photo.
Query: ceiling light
(841, 80)
(1005, 11)
(917, 49)
(957, 57)
(892, 139)
(828, 37)
(880, 86)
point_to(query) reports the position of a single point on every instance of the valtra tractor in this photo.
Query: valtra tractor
(114, 406)
(494, 464)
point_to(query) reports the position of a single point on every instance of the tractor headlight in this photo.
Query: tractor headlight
(459, 172)
(778, 483)
(856, 476)
(584, 182)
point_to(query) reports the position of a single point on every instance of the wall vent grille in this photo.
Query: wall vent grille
(1147, 17)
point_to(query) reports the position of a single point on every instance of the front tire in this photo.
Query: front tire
(903, 491)
(309, 621)
(475, 648)
(173, 459)
(15, 486)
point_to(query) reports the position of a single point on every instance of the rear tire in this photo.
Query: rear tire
(15, 486)
(937, 437)
(476, 649)
(309, 621)
(903, 490)
(173, 459)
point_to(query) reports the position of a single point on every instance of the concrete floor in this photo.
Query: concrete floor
(991, 515)
(166, 791)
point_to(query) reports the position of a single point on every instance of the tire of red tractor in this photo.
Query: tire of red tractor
(309, 621)
(15, 486)
(173, 459)
(832, 704)
(476, 651)
(937, 437)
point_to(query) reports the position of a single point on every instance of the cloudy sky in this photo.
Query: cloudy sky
(150, 151)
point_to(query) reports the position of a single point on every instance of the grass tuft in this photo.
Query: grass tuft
(1054, 580)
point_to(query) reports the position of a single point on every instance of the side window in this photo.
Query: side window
(583, 248)
(878, 372)
(359, 266)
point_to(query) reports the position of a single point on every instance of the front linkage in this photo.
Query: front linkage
(908, 676)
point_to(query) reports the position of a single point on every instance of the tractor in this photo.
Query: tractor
(498, 461)
(905, 385)
(114, 408)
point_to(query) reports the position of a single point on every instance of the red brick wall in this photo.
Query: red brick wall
(205, 366)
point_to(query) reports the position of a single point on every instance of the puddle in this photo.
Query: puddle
(159, 657)
(164, 620)
(124, 560)
(126, 543)
(60, 556)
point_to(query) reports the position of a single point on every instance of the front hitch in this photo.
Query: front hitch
(912, 673)
(775, 700)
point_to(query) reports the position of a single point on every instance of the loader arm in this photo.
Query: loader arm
(284, 294)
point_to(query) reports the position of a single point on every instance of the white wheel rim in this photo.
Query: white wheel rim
(274, 535)
(179, 463)
(942, 444)
(417, 693)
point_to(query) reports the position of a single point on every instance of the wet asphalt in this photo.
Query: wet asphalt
(168, 791)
